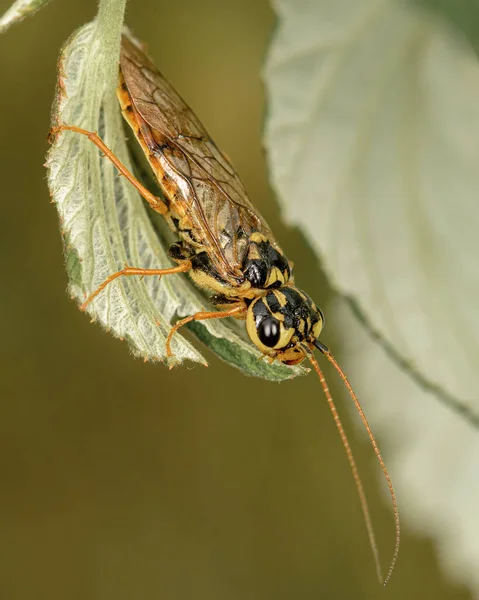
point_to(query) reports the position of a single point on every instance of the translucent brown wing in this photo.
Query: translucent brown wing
(204, 182)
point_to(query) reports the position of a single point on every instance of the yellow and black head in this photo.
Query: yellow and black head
(281, 320)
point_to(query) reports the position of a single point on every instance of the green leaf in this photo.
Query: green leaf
(19, 11)
(373, 143)
(463, 14)
(107, 224)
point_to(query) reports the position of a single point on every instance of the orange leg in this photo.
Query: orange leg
(128, 271)
(156, 203)
(202, 316)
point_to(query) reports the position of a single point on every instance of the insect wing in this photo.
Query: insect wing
(206, 184)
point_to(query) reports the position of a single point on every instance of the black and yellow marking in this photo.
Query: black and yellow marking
(265, 266)
(280, 319)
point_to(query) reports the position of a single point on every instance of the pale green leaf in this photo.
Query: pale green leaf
(373, 143)
(372, 136)
(19, 11)
(105, 221)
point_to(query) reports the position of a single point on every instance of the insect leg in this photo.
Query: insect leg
(156, 203)
(128, 271)
(236, 311)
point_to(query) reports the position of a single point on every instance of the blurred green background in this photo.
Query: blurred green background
(123, 480)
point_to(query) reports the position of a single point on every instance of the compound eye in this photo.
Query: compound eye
(269, 331)
(323, 320)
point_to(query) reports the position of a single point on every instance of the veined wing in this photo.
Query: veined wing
(209, 188)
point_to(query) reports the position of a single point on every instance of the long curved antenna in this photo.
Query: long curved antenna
(352, 464)
(324, 350)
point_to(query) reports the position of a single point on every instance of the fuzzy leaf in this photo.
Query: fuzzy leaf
(19, 11)
(105, 221)
(373, 142)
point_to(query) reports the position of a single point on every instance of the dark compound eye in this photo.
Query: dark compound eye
(269, 331)
(322, 316)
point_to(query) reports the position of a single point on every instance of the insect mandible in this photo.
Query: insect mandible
(224, 244)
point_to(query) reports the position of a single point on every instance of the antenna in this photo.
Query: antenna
(362, 496)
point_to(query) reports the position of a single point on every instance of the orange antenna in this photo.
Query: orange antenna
(324, 350)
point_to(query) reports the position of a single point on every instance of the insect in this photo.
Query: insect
(224, 245)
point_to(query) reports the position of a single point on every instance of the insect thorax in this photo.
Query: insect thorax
(265, 267)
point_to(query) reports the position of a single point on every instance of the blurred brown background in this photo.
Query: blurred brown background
(122, 480)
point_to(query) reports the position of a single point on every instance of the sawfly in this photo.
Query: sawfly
(224, 245)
